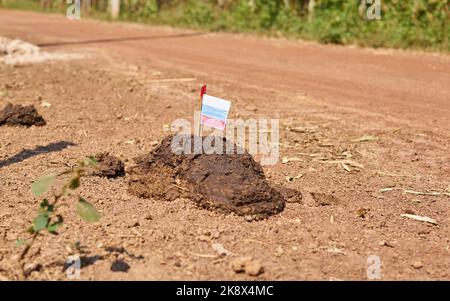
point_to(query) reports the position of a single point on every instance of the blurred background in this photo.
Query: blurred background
(417, 24)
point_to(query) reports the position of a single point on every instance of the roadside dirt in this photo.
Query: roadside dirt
(122, 99)
(228, 183)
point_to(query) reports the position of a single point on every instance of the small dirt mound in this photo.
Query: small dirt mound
(17, 115)
(223, 182)
(323, 199)
(109, 166)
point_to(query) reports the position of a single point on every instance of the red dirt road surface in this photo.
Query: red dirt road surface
(134, 80)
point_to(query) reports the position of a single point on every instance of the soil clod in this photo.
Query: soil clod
(109, 166)
(228, 182)
(417, 264)
(120, 266)
(247, 265)
(323, 199)
(17, 115)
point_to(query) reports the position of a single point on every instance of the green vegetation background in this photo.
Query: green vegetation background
(417, 24)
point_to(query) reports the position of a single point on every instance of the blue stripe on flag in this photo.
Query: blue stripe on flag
(214, 112)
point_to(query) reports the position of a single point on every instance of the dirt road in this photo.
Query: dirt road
(138, 78)
(380, 81)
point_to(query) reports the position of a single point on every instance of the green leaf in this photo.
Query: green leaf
(86, 211)
(74, 183)
(90, 161)
(40, 222)
(53, 228)
(41, 185)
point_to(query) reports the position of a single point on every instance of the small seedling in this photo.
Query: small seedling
(48, 217)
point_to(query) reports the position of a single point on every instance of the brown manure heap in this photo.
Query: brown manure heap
(223, 182)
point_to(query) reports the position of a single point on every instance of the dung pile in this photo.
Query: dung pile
(17, 115)
(222, 182)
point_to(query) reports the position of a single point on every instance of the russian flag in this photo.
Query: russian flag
(214, 112)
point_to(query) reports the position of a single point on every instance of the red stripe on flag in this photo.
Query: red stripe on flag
(214, 123)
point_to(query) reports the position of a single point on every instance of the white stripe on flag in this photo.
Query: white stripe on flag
(214, 112)
(215, 102)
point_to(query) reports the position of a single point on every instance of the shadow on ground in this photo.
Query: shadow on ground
(28, 153)
(124, 39)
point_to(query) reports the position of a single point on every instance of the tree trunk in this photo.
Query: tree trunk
(115, 8)
(311, 10)
(86, 5)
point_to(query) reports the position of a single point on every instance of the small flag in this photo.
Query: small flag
(214, 112)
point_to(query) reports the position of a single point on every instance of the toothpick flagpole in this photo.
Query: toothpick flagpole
(199, 125)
